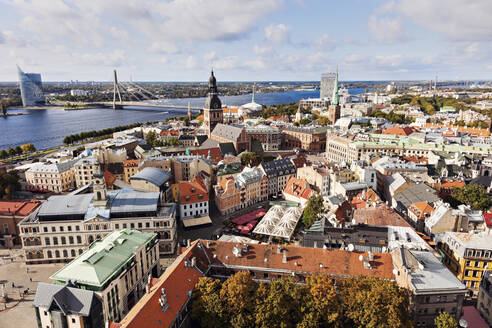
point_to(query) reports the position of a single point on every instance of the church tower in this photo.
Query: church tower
(334, 108)
(212, 111)
(100, 198)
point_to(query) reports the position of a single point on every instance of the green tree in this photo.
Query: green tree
(472, 195)
(151, 138)
(445, 320)
(370, 302)
(9, 184)
(313, 211)
(173, 141)
(3, 154)
(250, 158)
(18, 150)
(11, 151)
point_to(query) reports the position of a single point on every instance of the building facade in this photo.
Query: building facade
(31, 88)
(56, 177)
(484, 302)
(270, 137)
(11, 213)
(312, 139)
(117, 268)
(278, 173)
(65, 226)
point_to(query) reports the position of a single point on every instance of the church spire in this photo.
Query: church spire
(335, 97)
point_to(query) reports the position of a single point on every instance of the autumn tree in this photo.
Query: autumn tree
(27, 148)
(445, 320)
(472, 195)
(250, 158)
(238, 294)
(278, 304)
(313, 211)
(207, 307)
(9, 184)
(370, 302)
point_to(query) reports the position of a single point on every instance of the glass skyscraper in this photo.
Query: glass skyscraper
(327, 84)
(31, 88)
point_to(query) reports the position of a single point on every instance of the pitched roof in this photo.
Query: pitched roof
(227, 148)
(381, 215)
(298, 188)
(226, 131)
(278, 168)
(131, 163)
(192, 191)
(18, 208)
(152, 174)
(70, 300)
(214, 153)
(399, 130)
(365, 198)
(178, 281)
(421, 209)
(104, 258)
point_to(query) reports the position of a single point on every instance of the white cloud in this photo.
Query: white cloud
(277, 34)
(190, 62)
(387, 30)
(325, 42)
(455, 19)
(209, 57)
(262, 50)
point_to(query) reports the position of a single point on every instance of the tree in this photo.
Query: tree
(18, 150)
(27, 148)
(11, 151)
(250, 158)
(445, 320)
(472, 195)
(313, 211)
(173, 141)
(9, 184)
(372, 302)
(151, 138)
(207, 307)
(3, 154)
(238, 294)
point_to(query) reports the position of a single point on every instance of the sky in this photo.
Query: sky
(246, 40)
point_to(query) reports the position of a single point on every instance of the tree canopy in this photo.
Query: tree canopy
(473, 195)
(9, 184)
(241, 302)
(250, 158)
(313, 211)
(445, 320)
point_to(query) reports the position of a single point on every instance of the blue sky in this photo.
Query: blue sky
(252, 40)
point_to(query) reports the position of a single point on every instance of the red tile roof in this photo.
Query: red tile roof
(298, 188)
(364, 199)
(166, 133)
(192, 191)
(214, 153)
(381, 215)
(178, 280)
(488, 219)
(131, 163)
(303, 260)
(18, 208)
(400, 130)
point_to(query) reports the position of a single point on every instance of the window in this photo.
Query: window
(79, 240)
(61, 228)
(124, 225)
(57, 253)
(117, 226)
(46, 241)
(69, 228)
(45, 229)
(65, 253)
(55, 241)
(70, 240)
(147, 224)
(72, 252)
(73, 320)
(77, 228)
(63, 240)
(50, 255)
(132, 225)
(53, 229)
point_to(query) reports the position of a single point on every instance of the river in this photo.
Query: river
(47, 127)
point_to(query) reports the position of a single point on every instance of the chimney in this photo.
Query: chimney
(147, 286)
(284, 256)
(193, 261)
(188, 243)
(163, 300)
(208, 243)
(279, 249)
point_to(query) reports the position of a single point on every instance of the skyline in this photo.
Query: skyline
(257, 40)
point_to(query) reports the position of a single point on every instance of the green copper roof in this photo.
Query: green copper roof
(104, 259)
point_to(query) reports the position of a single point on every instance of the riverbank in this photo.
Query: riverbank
(13, 114)
(38, 107)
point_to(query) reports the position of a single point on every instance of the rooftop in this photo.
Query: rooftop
(381, 215)
(104, 259)
(17, 207)
(153, 175)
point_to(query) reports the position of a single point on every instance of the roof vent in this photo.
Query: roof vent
(237, 251)
(284, 256)
(163, 300)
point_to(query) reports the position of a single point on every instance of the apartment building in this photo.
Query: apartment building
(484, 301)
(278, 173)
(193, 200)
(130, 167)
(467, 255)
(317, 177)
(242, 190)
(65, 226)
(312, 139)
(117, 268)
(182, 167)
(435, 289)
(56, 177)
(269, 136)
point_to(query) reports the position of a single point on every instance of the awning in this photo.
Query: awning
(192, 222)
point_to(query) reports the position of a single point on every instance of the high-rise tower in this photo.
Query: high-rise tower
(212, 111)
(326, 85)
(334, 108)
(31, 88)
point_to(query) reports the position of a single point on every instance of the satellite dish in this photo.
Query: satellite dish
(463, 323)
(383, 250)
(351, 247)
(395, 272)
(361, 258)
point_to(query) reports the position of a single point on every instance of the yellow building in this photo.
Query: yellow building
(467, 255)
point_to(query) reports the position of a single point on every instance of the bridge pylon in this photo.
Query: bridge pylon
(116, 89)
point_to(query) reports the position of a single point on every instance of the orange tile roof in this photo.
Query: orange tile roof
(416, 159)
(214, 153)
(172, 132)
(446, 184)
(178, 280)
(17, 207)
(399, 130)
(303, 260)
(298, 188)
(420, 209)
(461, 129)
(381, 215)
(109, 178)
(232, 110)
(192, 191)
(365, 198)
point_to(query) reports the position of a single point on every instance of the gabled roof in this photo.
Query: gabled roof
(298, 188)
(226, 131)
(214, 153)
(68, 299)
(18, 208)
(227, 148)
(399, 130)
(379, 216)
(192, 191)
(278, 168)
(421, 209)
(153, 175)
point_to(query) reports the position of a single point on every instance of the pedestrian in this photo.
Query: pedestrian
(27, 270)
(13, 285)
(30, 279)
